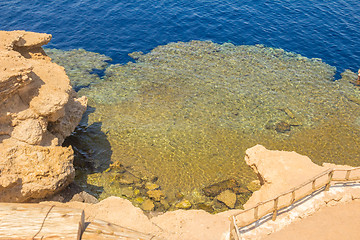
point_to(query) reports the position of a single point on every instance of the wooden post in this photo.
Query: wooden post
(256, 212)
(347, 175)
(276, 202)
(232, 228)
(293, 196)
(234, 232)
(330, 175)
(313, 185)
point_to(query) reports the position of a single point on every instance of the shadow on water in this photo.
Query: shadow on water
(92, 152)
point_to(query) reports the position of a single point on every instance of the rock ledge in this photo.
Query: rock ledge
(38, 109)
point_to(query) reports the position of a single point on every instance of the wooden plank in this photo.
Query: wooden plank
(40, 221)
(276, 201)
(99, 229)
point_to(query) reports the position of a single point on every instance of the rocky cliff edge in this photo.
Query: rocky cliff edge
(38, 109)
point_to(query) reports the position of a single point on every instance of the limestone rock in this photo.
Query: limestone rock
(157, 195)
(151, 186)
(278, 171)
(184, 204)
(228, 198)
(34, 171)
(148, 205)
(84, 197)
(282, 127)
(38, 109)
(254, 185)
(215, 189)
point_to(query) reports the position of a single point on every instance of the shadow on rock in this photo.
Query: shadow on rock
(92, 152)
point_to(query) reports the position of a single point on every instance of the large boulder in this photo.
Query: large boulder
(38, 109)
(280, 171)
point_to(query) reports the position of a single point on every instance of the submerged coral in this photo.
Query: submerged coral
(186, 112)
(80, 65)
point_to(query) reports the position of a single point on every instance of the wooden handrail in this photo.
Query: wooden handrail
(294, 197)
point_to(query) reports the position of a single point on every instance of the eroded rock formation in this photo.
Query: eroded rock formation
(38, 109)
(278, 171)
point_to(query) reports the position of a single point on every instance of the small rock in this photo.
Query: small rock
(117, 167)
(136, 192)
(156, 195)
(88, 198)
(217, 188)
(139, 200)
(198, 196)
(270, 125)
(179, 195)
(282, 127)
(148, 205)
(184, 204)
(127, 192)
(289, 113)
(151, 186)
(84, 197)
(127, 179)
(205, 206)
(228, 198)
(254, 185)
(240, 190)
(165, 204)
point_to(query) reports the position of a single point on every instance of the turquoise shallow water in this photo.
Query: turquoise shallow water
(184, 114)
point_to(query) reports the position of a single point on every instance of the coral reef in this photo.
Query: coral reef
(185, 113)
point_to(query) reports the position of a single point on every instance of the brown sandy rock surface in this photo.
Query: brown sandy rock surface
(281, 171)
(38, 109)
(228, 198)
(331, 223)
(175, 225)
(278, 171)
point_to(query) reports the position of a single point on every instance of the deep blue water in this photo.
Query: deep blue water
(324, 29)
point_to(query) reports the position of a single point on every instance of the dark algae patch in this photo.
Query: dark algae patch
(180, 118)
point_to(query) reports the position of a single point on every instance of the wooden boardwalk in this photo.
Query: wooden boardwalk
(39, 221)
(272, 206)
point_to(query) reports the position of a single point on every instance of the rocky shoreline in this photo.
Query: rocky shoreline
(38, 111)
(278, 171)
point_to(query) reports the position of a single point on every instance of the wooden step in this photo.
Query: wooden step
(39, 221)
(99, 229)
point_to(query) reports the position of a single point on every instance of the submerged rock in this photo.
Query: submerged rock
(84, 197)
(183, 204)
(148, 205)
(228, 198)
(151, 186)
(217, 188)
(282, 127)
(157, 195)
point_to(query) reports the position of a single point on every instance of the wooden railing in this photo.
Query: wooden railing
(322, 181)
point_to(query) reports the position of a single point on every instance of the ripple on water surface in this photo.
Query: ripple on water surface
(185, 113)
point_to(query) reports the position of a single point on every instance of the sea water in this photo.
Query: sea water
(313, 28)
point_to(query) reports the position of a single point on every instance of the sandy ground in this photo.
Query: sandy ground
(331, 223)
